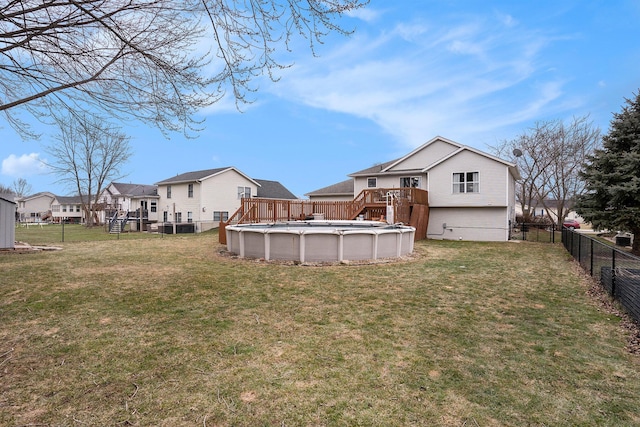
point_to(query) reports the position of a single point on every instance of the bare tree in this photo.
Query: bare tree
(89, 153)
(550, 157)
(158, 61)
(21, 187)
(6, 190)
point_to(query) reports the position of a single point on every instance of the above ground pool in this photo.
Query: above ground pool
(320, 241)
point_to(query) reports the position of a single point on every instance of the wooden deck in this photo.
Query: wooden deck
(411, 206)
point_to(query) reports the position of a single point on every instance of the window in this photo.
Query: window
(64, 208)
(77, 208)
(220, 216)
(244, 192)
(190, 191)
(165, 216)
(466, 182)
(168, 191)
(189, 216)
(154, 207)
(410, 182)
(178, 216)
(372, 182)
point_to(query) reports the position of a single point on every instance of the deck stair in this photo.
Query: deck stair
(410, 206)
(118, 222)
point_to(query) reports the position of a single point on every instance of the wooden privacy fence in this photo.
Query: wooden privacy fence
(371, 204)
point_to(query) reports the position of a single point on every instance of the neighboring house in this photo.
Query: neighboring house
(549, 211)
(273, 190)
(137, 201)
(209, 196)
(36, 207)
(471, 193)
(7, 222)
(342, 191)
(68, 209)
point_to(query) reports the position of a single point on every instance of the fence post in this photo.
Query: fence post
(613, 272)
(591, 259)
(579, 246)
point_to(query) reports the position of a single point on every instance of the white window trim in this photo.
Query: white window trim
(465, 183)
(419, 178)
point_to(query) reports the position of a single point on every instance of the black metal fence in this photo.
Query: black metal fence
(535, 232)
(618, 271)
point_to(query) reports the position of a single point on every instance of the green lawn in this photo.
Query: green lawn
(166, 331)
(53, 234)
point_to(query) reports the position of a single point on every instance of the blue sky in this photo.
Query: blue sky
(474, 72)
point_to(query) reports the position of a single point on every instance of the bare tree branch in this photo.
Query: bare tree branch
(88, 154)
(158, 61)
(552, 156)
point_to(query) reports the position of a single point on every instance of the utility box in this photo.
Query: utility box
(623, 240)
(185, 228)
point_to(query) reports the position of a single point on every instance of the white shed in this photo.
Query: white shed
(7, 223)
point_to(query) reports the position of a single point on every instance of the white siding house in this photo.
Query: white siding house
(471, 193)
(68, 209)
(36, 207)
(139, 202)
(209, 196)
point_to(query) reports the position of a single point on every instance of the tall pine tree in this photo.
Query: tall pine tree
(612, 175)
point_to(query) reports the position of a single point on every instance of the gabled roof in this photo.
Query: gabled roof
(420, 148)
(386, 168)
(36, 195)
(373, 170)
(339, 189)
(135, 190)
(273, 190)
(8, 197)
(512, 167)
(198, 176)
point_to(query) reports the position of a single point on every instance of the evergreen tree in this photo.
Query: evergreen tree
(612, 176)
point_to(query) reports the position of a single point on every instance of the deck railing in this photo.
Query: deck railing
(256, 209)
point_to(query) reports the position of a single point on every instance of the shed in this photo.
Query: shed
(7, 223)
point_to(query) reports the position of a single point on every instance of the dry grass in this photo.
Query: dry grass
(169, 332)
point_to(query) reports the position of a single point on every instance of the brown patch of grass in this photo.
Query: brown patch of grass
(169, 332)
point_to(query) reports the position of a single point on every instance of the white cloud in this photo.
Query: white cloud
(417, 80)
(365, 14)
(25, 165)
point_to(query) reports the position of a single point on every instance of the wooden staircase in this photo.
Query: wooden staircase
(410, 206)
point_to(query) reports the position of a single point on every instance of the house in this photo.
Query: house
(36, 207)
(548, 211)
(206, 197)
(7, 222)
(273, 190)
(471, 193)
(342, 191)
(138, 202)
(68, 209)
